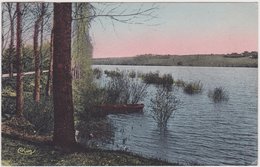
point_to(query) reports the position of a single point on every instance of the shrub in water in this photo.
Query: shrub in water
(139, 74)
(151, 78)
(138, 91)
(132, 74)
(219, 94)
(166, 81)
(113, 74)
(97, 72)
(122, 90)
(117, 90)
(193, 88)
(163, 105)
(180, 83)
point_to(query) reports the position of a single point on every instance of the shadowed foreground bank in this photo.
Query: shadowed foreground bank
(16, 152)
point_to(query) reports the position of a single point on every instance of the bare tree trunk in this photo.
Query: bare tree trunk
(11, 45)
(37, 63)
(19, 78)
(11, 50)
(50, 73)
(3, 38)
(64, 132)
(41, 41)
(38, 54)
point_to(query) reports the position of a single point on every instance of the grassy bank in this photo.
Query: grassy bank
(184, 60)
(42, 154)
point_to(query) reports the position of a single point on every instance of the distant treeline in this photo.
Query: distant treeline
(245, 59)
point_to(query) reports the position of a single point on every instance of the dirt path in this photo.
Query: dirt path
(26, 73)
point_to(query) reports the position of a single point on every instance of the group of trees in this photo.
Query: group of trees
(65, 40)
(60, 47)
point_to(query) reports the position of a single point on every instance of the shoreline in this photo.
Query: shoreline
(44, 154)
(173, 65)
(179, 61)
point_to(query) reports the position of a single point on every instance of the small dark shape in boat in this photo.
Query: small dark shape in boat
(120, 108)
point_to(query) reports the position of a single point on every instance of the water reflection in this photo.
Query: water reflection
(201, 131)
(161, 136)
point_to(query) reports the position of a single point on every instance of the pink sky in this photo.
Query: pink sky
(157, 44)
(193, 33)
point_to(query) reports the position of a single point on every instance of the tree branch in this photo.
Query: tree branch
(119, 14)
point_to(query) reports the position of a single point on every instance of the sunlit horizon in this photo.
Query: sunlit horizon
(165, 54)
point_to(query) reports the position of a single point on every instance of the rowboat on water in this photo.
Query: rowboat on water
(120, 108)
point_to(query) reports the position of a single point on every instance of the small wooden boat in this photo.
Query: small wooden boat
(120, 108)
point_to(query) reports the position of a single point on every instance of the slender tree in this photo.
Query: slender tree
(50, 73)
(11, 50)
(37, 52)
(64, 132)
(19, 65)
(3, 24)
(37, 62)
(41, 38)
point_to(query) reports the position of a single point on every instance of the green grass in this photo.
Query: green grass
(47, 155)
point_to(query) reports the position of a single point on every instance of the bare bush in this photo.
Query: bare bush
(163, 105)
(138, 91)
(120, 89)
(117, 90)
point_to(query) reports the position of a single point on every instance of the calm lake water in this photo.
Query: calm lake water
(200, 131)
